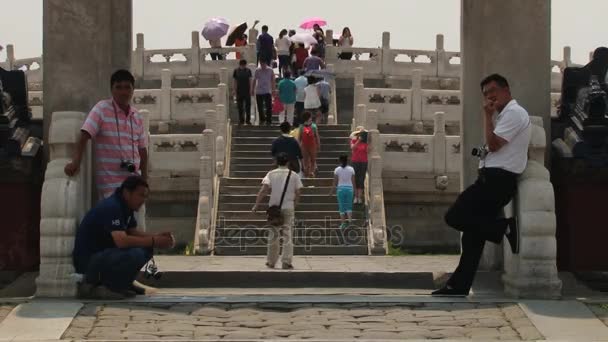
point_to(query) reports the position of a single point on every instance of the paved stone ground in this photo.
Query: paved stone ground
(302, 321)
(601, 311)
(5, 309)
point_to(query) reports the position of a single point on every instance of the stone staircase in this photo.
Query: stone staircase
(241, 232)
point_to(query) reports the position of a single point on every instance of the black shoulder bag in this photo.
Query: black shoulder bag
(273, 213)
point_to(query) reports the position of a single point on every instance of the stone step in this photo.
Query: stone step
(266, 148)
(172, 209)
(324, 153)
(305, 224)
(351, 239)
(298, 250)
(235, 128)
(300, 215)
(269, 140)
(349, 233)
(262, 174)
(258, 181)
(236, 167)
(274, 134)
(244, 190)
(250, 198)
(268, 159)
(301, 206)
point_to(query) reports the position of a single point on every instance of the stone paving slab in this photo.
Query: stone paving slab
(324, 321)
(5, 309)
(410, 263)
(565, 319)
(38, 320)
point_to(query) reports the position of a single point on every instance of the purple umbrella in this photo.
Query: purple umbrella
(215, 28)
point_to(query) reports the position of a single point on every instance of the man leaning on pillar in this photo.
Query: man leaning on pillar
(117, 130)
(477, 210)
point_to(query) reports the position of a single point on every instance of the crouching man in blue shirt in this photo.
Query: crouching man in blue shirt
(109, 249)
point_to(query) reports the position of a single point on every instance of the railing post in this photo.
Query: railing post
(10, 56)
(138, 59)
(195, 62)
(442, 62)
(333, 106)
(165, 95)
(567, 57)
(329, 37)
(208, 150)
(417, 95)
(211, 119)
(439, 145)
(253, 36)
(223, 96)
(360, 115)
(371, 120)
(358, 88)
(203, 220)
(386, 59)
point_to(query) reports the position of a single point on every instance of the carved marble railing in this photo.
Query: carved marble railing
(64, 202)
(377, 62)
(533, 272)
(175, 155)
(178, 105)
(193, 61)
(374, 189)
(402, 106)
(36, 99)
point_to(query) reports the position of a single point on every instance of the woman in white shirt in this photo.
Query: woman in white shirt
(344, 178)
(346, 40)
(312, 99)
(282, 44)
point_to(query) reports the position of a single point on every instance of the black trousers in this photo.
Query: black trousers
(264, 107)
(243, 102)
(477, 214)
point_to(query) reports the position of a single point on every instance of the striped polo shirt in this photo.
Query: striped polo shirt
(114, 142)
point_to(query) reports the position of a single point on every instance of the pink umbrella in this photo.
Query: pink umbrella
(215, 28)
(310, 22)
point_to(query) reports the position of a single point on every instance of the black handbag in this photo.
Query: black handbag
(273, 213)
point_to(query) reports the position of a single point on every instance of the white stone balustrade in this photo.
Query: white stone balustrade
(378, 62)
(35, 100)
(60, 215)
(178, 105)
(533, 271)
(175, 155)
(403, 106)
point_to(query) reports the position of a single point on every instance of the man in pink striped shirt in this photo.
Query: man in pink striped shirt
(118, 132)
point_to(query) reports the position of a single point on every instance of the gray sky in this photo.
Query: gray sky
(413, 23)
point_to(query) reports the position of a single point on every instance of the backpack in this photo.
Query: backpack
(308, 136)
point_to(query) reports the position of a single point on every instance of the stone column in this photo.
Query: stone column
(60, 215)
(512, 38)
(84, 41)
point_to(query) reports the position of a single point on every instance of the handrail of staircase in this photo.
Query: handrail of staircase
(64, 202)
(333, 105)
(216, 185)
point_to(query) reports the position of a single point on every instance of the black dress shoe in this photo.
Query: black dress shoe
(513, 235)
(449, 292)
(138, 290)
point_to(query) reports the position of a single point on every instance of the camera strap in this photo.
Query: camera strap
(118, 131)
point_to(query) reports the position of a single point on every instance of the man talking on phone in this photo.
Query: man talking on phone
(477, 211)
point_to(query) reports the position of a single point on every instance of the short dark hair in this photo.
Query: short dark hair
(265, 28)
(601, 54)
(243, 62)
(121, 76)
(499, 79)
(285, 127)
(306, 116)
(302, 72)
(343, 160)
(132, 183)
(286, 74)
(282, 158)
